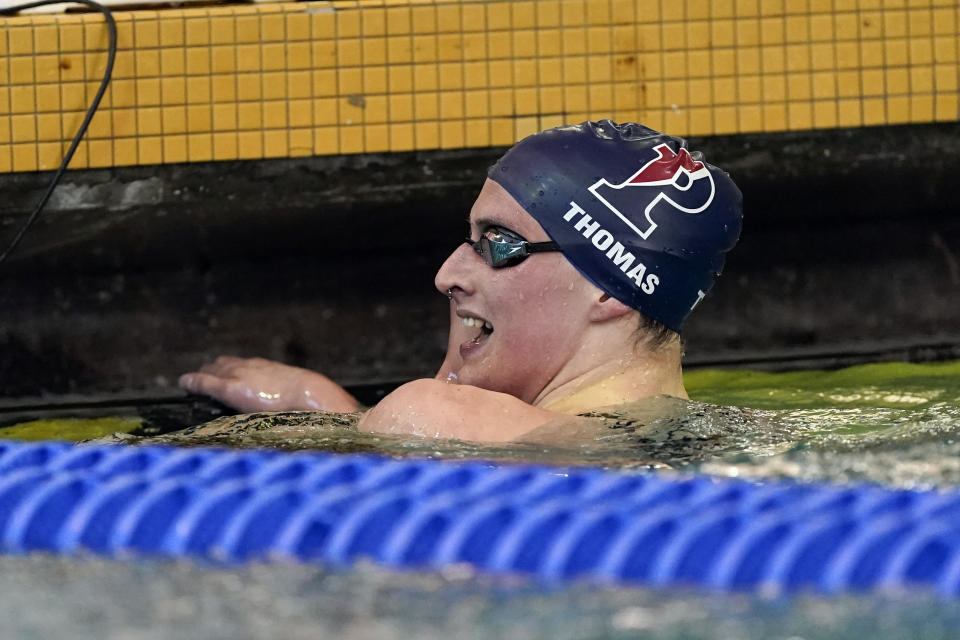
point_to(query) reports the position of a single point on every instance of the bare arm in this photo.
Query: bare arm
(255, 384)
(433, 408)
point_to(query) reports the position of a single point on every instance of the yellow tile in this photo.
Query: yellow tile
(698, 63)
(501, 102)
(172, 32)
(297, 55)
(425, 48)
(921, 80)
(101, 126)
(573, 14)
(375, 110)
(748, 32)
(23, 128)
(175, 149)
(45, 38)
(374, 51)
(648, 36)
(498, 16)
(551, 70)
(574, 70)
(798, 57)
(946, 108)
(275, 144)
(894, 24)
(148, 121)
(197, 32)
(676, 121)
(501, 131)
(351, 139)
(824, 85)
(797, 28)
(95, 65)
(526, 101)
(71, 37)
(572, 43)
(774, 117)
(124, 66)
(921, 51)
(944, 21)
(247, 57)
(475, 75)
(399, 49)
(674, 35)
(351, 109)
(449, 47)
(921, 108)
(425, 78)
(323, 25)
(477, 133)
(199, 147)
(748, 60)
(297, 26)
(849, 112)
(325, 53)
(474, 17)
(228, 88)
(897, 81)
(723, 62)
(173, 90)
(872, 82)
(172, 62)
(598, 70)
(652, 94)
(199, 118)
(722, 33)
(822, 56)
(500, 45)
(4, 106)
(146, 33)
(100, 153)
(945, 50)
(150, 150)
(375, 80)
(451, 76)
(773, 59)
(874, 111)
(301, 142)
(326, 140)
(601, 97)
(724, 90)
(25, 157)
(424, 19)
(273, 56)
(898, 110)
(48, 98)
(249, 116)
(225, 146)
(698, 92)
(824, 114)
(653, 118)
(20, 40)
(946, 78)
(148, 91)
(272, 28)
(373, 22)
(848, 83)
(249, 145)
(774, 89)
(298, 84)
(451, 105)
(700, 122)
(198, 61)
(427, 135)
(21, 70)
(799, 86)
(325, 111)
(401, 107)
(474, 46)
(524, 44)
(398, 20)
(848, 55)
(22, 99)
(174, 120)
(125, 152)
(350, 81)
(124, 123)
(799, 116)
(452, 135)
(725, 120)
(376, 138)
(846, 26)
(448, 18)
(821, 27)
(401, 137)
(324, 83)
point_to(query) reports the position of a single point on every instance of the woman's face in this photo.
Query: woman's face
(523, 322)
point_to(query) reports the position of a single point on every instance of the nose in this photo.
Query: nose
(458, 270)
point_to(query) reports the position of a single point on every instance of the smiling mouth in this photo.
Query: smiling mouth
(486, 328)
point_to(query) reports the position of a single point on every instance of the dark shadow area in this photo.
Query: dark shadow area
(850, 253)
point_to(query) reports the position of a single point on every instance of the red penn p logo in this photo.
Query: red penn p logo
(682, 184)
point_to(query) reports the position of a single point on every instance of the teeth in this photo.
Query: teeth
(476, 322)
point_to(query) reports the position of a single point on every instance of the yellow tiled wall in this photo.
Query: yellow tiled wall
(295, 79)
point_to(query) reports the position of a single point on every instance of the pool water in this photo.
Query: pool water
(895, 424)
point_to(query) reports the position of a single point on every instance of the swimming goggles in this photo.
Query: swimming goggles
(501, 248)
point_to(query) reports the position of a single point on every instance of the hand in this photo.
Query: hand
(256, 384)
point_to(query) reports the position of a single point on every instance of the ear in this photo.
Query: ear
(605, 308)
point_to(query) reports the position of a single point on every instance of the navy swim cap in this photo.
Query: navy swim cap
(641, 217)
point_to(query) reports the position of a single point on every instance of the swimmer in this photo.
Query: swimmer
(588, 247)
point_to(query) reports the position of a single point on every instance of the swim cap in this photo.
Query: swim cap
(640, 216)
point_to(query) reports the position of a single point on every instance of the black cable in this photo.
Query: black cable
(111, 54)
